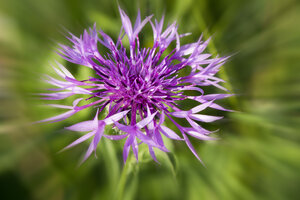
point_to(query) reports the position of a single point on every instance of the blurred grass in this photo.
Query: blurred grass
(257, 156)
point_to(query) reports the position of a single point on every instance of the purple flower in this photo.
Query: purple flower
(138, 89)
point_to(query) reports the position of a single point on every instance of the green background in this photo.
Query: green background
(257, 156)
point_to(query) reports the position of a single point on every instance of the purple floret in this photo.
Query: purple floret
(139, 88)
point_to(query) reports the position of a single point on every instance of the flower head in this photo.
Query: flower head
(138, 88)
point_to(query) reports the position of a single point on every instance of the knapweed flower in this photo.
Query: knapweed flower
(138, 88)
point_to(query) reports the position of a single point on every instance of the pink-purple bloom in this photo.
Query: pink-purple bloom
(138, 88)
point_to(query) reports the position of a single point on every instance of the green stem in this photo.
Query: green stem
(122, 183)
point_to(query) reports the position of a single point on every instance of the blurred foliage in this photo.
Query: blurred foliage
(257, 156)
